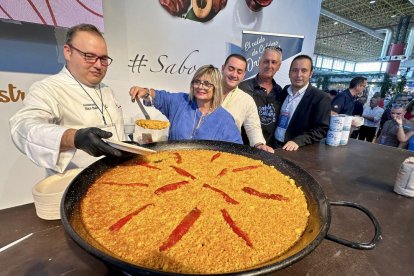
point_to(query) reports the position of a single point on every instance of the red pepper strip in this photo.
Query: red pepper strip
(223, 172)
(118, 225)
(215, 156)
(254, 192)
(183, 172)
(149, 166)
(181, 229)
(125, 184)
(178, 158)
(140, 163)
(226, 197)
(234, 227)
(246, 168)
(170, 187)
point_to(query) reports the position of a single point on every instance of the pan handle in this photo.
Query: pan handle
(356, 245)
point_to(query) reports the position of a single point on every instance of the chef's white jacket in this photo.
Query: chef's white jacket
(56, 104)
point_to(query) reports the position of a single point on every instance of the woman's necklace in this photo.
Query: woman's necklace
(202, 117)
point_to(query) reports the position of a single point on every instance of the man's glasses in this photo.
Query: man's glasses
(92, 58)
(198, 83)
(274, 48)
(396, 113)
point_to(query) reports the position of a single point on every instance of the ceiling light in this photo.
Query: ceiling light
(336, 23)
(372, 1)
(394, 15)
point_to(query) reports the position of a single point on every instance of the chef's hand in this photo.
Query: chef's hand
(139, 92)
(90, 141)
(290, 146)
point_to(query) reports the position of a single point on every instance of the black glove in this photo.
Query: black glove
(89, 140)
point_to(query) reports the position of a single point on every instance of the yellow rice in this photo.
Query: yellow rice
(210, 245)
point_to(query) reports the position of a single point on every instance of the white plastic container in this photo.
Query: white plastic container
(347, 122)
(404, 183)
(333, 138)
(336, 123)
(344, 137)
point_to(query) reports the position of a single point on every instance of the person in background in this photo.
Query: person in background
(358, 110)
(197, 115)
(332, 93)
(241, 105)
(359, 106)
(396, 130)
(65, 116)
(372, 116)
(305, 113)
(344, 102)
(380, 100)
(264, 89)
(410, 110)
(399, 99)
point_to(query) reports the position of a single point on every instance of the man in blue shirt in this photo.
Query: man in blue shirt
(343, 103)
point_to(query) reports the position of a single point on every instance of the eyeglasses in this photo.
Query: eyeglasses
(396, 113)
(198, 83)
(274, 48)
(92, 58)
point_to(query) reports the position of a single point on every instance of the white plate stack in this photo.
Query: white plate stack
(47, 194)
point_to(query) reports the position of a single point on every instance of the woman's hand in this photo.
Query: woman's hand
(139, 92)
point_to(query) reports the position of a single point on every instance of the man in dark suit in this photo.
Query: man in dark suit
(305, 110)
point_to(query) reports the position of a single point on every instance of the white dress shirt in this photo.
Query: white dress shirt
(375, 112)
(244, 111)
(288, 108)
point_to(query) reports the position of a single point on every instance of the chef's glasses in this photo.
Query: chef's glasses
(92, 58)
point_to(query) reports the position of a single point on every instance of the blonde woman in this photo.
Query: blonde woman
(197, 115)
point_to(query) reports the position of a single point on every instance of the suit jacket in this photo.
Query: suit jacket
(310, 121)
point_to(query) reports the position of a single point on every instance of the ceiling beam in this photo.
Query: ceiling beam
(352, 23)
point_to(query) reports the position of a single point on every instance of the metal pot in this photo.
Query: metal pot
(318, 206)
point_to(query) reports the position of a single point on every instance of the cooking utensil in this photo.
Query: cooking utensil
(146, 137)
(129, 147)
(15, 242)
(141, 106)
(315, 232)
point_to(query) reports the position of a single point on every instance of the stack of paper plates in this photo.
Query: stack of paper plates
(47, 194)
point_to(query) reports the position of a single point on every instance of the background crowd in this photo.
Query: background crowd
(388, 121)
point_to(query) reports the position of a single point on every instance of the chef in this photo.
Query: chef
(65, 116)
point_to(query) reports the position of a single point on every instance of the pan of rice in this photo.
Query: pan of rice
(200, 207)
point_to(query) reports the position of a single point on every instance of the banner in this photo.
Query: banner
(54, 13)
(254, 43)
